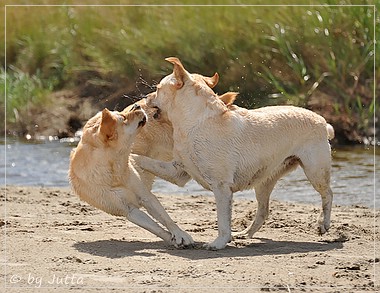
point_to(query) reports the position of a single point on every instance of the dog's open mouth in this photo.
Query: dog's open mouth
(142, 122)
(157, 114)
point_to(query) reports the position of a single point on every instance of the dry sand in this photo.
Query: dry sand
(52, 240)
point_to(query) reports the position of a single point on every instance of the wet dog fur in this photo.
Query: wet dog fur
(102, 173)
(226, 148)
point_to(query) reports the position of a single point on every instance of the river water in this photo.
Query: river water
(45, 163)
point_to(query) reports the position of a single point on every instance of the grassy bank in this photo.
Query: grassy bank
(320, 57)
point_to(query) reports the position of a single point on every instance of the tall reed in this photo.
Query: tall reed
(271, 55)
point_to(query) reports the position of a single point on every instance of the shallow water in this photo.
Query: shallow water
(45, 163)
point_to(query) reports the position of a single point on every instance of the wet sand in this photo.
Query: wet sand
(53, 240)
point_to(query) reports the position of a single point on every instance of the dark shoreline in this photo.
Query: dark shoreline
(68, 110)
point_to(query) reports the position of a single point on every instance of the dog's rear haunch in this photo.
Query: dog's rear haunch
(226, 148)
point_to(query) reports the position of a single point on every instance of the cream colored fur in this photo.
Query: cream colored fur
(155, 139)
(102, 174)
(226, 148)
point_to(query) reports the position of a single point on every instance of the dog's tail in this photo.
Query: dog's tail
(330, 131)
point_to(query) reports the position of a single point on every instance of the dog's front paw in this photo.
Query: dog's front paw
(218, 243)
(181, 239)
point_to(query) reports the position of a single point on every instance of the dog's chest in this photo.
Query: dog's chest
(185, 152)
(119, 171)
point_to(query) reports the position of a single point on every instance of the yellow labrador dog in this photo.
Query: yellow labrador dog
(155, 139)
(102, 174)
(227, 148)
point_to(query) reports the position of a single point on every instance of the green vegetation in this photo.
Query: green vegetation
(320, 57)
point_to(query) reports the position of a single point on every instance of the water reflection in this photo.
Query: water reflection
(36, 163)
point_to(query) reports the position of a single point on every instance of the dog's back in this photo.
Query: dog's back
(251, 145)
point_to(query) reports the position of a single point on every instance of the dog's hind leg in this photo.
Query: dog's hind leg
(263, 192)
(141, 219)
(325, 216)
(321, 183)
(316, 163)
(179, 237)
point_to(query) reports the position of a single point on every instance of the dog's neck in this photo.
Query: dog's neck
(184, 111)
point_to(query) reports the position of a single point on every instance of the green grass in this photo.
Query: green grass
(271, 55)
(23, 92)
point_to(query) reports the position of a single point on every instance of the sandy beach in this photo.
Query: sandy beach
(50, 239)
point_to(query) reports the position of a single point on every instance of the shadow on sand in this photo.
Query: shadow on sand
(122, 248)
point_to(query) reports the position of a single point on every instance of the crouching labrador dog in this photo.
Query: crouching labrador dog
(102, 174)
(227, 148)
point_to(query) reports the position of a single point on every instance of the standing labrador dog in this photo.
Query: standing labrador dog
(227, 149)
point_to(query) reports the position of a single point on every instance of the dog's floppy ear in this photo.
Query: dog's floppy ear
(179, 71)
(211, 81)
(228, 98)
(108, 125)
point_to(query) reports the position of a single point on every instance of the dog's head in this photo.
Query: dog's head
(181, 85)
(113, 129)
(157, 135)
(153, 113)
